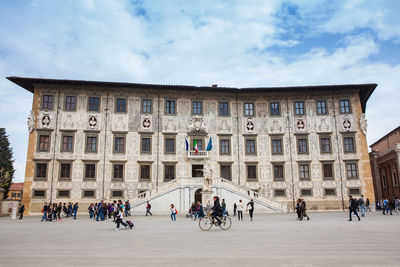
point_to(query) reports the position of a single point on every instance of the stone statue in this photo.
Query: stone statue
(31, 122)
(363, 124)
(208, 174)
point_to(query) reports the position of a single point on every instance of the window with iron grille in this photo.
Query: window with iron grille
(94, 104)
(354, 191)
(351, 170)
(90, 171)
(118, 171)
(65, 172)
(302, 146)
(63, 193)
(170, 107)
(330, 192)
(47, 102)
(274, 108)
(44, 142)
(279, 192)
(251, 172)
(70, 103)
(169, 172)
(67, 143)
(321, 107)
(278, 172)
(299, 108)
(223, 108)
(117, 193)
(88, 193)
(39, 193)
(249, 109)
(146, 106)
(306, 192)
(121, 105)
(344, 106)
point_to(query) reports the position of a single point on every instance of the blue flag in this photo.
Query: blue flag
(187, 144)
(209, 146)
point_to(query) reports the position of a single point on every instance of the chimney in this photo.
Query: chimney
(215, 85)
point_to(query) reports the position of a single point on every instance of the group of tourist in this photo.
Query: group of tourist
(301, 209)
(387, 206)
(102, 210)
(240, 207)
(52, 211)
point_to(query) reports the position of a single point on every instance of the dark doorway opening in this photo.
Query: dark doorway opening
(197, 170)
(197, 195)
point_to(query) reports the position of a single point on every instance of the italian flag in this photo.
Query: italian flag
(196, 150)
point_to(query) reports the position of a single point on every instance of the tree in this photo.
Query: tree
(6, 162)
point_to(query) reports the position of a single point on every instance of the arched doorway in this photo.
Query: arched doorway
(197, 195)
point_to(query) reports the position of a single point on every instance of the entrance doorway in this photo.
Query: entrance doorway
(197, 195)
(197, 170)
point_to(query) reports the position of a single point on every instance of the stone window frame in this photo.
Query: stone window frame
(63, 190)
(167, 136)
(67, 134)
(279, 189)
(303, 108)
(346, 162)
(223, 102)
(39, 190)
(330, 144)
(282, 164)
(304, 163)
(166, 108)
(89, 106)
(251, 164)
(255, 146)
(119, 135)
(302, 137)
(275, 137)
(244, 109)
(62, 162)
(91, 162)
(90, 134)
(226, 164)
(121, 163)
(303, 195)
(202, 107)
(66, 96)
(88, 190)
(149, 136)
(332, 163)
(169, 164)
(344, 136)
(145, 163)
(395, 178)
(349, 107)
(117, 190)
(142, 107)
(42, 97)
(225, 138)
(198, 137)
(317, 108)
(116, 105)
(330, 195)
(42, 133)
(36, 170)
(354, 188)
(382, 176)
(279, 108)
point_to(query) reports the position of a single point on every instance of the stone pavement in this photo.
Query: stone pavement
(328, 239)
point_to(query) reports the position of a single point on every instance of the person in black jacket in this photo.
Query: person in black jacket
(298, 209)
(353, 207)
(216, 210)
(21, 212)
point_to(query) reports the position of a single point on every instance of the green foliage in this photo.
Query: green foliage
(6, 162)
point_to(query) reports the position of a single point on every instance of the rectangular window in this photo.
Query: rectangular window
(325, 144)
(170, 145)
(252, 172)
(91, 144)
(88, 193)
(94, 103)
(39, 193)
(63, 193)
(250, 146)
(327, 171)
(146, 106)
(321, 108)
(65, 171)
(67, 143)
(47, 102)
(170, 107)
(249, 109)
(41, 170)
(121, 105)
(226, 172)
(145, 172)
(223, 108)
(395, 181)
(354, 191)
(330, 192)
(119, 144)
(70, 103)
(199, 141)
(146, 145)
(197, 107)
(348, 144)
(275, 108)
(169, 172)
(13, 195)
(302, 147)
(279, 193)
(351, 170)
(118, 171)
(44, 142)
(345, 106)
(117, 194)
(299, 108)
(306, 192)
(277, 146)
(18, 195)
(90, 171)
(278, 172)
(304, 171)
(225, 147)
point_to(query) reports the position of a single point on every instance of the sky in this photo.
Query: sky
(229, 43)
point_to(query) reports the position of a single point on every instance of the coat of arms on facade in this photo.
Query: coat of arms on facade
(197, 125)
(31, 122)
(346, 124)
(300, 125)
(45, 121)
(146, 123)
(249, 125)
(92, 121)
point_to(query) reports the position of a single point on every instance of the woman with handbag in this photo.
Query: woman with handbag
(173, 212)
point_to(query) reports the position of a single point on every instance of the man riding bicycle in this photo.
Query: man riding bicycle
(216, 210)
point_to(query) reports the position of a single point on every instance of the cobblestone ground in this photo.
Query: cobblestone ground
(328, 239)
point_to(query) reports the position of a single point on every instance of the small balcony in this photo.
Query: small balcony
(201, 154)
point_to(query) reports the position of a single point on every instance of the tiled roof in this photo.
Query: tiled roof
(17, 187)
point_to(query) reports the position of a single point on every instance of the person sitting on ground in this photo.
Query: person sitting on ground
(216, 210)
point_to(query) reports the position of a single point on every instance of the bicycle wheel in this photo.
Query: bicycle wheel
(205, 223)
(226, 223)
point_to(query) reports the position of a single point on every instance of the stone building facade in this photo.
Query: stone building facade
(93, 141)
(385, 165)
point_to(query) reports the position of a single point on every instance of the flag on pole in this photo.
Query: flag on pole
(187, 144)
(196, 150)
(209, 146)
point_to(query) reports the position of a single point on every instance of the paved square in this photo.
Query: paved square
(328, 239)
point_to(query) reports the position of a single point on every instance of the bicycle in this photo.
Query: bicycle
(208, 221)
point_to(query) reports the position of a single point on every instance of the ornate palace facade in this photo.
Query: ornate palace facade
(92, 141)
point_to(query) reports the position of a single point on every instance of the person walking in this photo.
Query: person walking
(21, 212)
(396, 205)
(173, 212)
(385, 209)
(234, 209)
(240, 209)
(298, 209)
(100, 213)
(201, 210)
(76, 207)
(127, 208)
(148, 209)
(120, 219)
(91, 210)
(353, 208)
(367, 203)
(303, 208)
(223, 206)
(250, 207)
(44, 210)
(361, 204)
